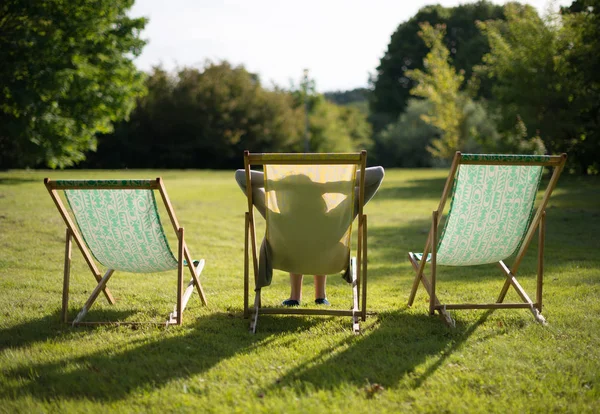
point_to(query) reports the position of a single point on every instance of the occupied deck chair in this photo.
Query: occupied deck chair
(117, 223)
(491, 217)
(310, 206)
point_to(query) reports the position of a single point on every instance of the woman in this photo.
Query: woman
(373, 178)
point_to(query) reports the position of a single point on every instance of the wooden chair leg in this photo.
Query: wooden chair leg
(419, 266)
(512, 280)
(505, 287)
(246, 267)
(358, 281)
(180, 278)
(432, 297)
(355, 305)
(187, 294)
(99, 288)
(67, 276)
(254, 320)
(364, 272)
(195, 270)
(536, 308)
(416, 281)
(540, 268)
(196, 280)
(444, 314)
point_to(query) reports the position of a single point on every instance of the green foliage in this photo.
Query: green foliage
(440, 85)
(354, 119)
(67, 74)
(404, 143)
(482, 135)
(357, 95)
(580, 67)
(355, 98)
(206, 118)
(391, 85)
(331, 126)
(403, 361)
(463, 46)
(202, 119)
(521, 62)
(545, 74)
(465, 125)
(334, 128)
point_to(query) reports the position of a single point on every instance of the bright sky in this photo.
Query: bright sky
(340, 42)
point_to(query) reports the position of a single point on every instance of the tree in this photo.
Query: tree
(202, 118)
(334, 128)
(353, 96)
(580, 64)
(404, 142)
(391, 85)
(546, 74)
(356, 98)
(207, 117)
(464, 124)
(67, 74)
(521, 63)
(440, 85)
(234, 113)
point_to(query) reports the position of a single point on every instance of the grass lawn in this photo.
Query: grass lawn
(404, 360)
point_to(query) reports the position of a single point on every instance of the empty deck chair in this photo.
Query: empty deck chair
(116, 222)
(491, 217)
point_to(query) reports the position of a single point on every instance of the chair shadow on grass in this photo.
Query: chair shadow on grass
(47, 328)
(124, 367)
(16, 180)
(392, 351)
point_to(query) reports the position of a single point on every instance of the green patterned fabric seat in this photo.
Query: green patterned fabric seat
(123, 229)
(490, 211)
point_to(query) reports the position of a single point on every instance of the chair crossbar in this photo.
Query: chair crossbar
(509, 159)
(484, 306)
(302, 159)
(301, 311)
(103, 184)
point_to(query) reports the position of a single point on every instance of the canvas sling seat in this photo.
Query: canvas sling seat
(116, 222)
(311, 203)
(491, 218)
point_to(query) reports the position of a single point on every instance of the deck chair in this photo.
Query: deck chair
(491, 217)
(117, 223)
(310, 206)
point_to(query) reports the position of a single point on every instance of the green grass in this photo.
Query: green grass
(404, 360)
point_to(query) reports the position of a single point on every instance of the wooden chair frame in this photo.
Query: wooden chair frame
(358, 264)
(537, 223)
(183, 255)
